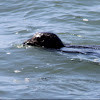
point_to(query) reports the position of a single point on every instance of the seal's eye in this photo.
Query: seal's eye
(38, 38)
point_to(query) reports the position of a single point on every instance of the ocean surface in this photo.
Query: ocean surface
(38, 73)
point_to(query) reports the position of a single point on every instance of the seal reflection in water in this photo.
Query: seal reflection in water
(51, 40)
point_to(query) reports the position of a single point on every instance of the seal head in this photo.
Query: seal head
(45, 39)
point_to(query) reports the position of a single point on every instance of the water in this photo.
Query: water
(48, 74)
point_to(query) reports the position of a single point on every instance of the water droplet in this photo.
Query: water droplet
(8, 53)
(17, 71)
(19, 46)
(27, 80)
(95, 60)
(85, 20)
(16, 32)
(79, 35)
(16, 81)
(71, 59)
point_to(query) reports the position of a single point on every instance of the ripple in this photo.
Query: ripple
(32, 72)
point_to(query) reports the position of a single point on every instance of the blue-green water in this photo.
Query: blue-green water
(48, 74)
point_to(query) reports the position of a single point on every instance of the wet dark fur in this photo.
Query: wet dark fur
(45, 39)
(51, 40)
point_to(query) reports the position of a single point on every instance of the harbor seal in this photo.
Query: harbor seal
(51, 40)
(45, 39)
